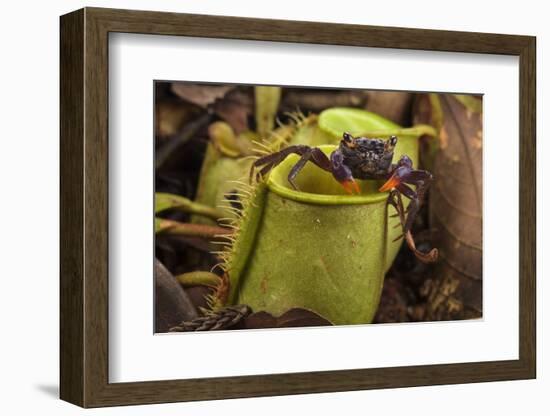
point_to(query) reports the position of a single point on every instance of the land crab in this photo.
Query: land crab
(363, 158)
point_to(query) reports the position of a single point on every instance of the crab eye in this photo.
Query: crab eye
(348, 138)
(390, 144)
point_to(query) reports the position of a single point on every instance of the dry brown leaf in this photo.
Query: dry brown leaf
(296, 317)
(172, 303)
(456, 213)
(393, 105)
(235, 108)
(200, 94)
(307, 100)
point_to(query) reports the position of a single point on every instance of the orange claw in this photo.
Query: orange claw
(350, 186)
(390, 184)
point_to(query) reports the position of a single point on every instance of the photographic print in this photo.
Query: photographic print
(279, 206)
(297, 210)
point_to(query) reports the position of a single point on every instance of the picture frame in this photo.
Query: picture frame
(84, 289)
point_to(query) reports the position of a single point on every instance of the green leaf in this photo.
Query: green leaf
(267, 102)
(359, 122)
(471, 102)
(355, 121)
(165, 201)
(199, 278)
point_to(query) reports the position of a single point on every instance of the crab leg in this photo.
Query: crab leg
(274, 159)
(402, 175)
(306, 153)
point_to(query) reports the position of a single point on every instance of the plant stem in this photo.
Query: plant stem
(196, 230)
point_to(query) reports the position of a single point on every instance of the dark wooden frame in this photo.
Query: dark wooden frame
(84, 213)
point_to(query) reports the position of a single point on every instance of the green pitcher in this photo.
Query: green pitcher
(334, 121)
(317, 248)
